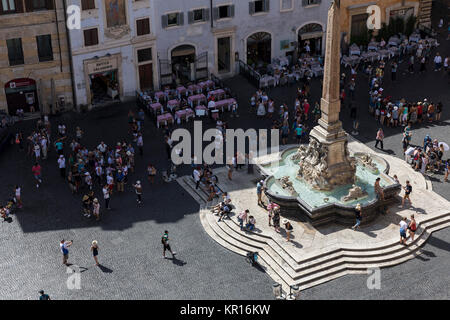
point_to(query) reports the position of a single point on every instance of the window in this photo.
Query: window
(143, 26)
(172, 19)
(87, 4)
(144, 55)
(310, 2)
(15, 52)
(91, 37)
(44, 45)
(286, 5)
(223, 12)
(39, 5)
(198, 15)
(259, 6)
(9, 6)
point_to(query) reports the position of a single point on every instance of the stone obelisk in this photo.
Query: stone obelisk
(326, 163)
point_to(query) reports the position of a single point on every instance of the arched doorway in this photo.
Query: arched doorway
(310, 36)
(21, 94)
(183, 60)
(259, 49)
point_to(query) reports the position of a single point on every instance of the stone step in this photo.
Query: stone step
(338, 258)
(330, 255)
(243, 249)
(324, 272)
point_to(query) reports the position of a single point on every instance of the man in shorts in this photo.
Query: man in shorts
(64, 245)
(166, 245)
(408, 190)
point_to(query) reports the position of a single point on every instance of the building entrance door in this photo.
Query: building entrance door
(21, 94)
(183, 59)
(146, 76)
(224, 55)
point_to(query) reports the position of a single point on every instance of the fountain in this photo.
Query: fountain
(321, 179)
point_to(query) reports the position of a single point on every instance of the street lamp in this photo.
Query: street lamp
(278, 291)
(294, 292)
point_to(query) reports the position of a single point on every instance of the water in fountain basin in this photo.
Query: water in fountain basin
(286, 167)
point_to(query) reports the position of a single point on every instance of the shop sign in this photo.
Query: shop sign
(102, 66)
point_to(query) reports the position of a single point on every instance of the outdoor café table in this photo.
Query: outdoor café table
(372, 46)
(181, 90)
(196, 99)
(156, 107)
(218, 94)
(184, 114)
(164, 118)
(201, 110)
(414, 37)
(383, 53)
(206, 84)
(225, 103)
(354, 50)
(172, 104)
(194, 89)
(158, 95)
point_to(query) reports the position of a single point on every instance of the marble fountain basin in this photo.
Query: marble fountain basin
(303, 202)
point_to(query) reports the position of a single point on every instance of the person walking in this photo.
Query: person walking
(358, 216)
(166, 245)
(289, 228)
(94, 249)
(106, 196)
(437, 62)
(379, 138)
(64, 245)
(259, 190)
(408, 190)
(138, 190)
(151, 171)
(96, 209)
(276, 220)
(43, 295)
(140, 144)
(17, 194)
(62, 166)
(412, 227)
(394, 67)
(403, 228)
(37, 171)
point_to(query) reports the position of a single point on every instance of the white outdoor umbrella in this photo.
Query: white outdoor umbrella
(446, 147)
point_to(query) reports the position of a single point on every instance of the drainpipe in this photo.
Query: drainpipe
(59, 40)
(69, 48)
(211, 13)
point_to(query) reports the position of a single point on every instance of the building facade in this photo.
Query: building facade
(124, 46)
(354, 13)
(34, 58)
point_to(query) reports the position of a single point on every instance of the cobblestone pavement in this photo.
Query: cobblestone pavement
(129, 236)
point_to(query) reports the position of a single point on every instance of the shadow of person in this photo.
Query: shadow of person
(259, 267)
(178, 262)
(427, 253)
(104, 269)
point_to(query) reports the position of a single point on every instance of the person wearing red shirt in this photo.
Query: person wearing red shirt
(36, 169)
(419, 112)
(306, 108)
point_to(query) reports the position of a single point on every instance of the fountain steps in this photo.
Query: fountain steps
(314, 267)
(321, 269)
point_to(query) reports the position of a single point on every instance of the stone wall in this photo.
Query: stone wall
(27, 26)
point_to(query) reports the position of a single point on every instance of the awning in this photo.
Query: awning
(311, 35)
(183, 52)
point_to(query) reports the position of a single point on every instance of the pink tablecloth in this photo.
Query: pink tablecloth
(184, 114)
(216, 93)
(207, 83)
(164, 118)
(196, 99)
(156, 106)
(194, 88)
(225, 103)
(159, 94)
(181, 90)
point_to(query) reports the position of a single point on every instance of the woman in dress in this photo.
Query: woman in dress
(96, 209)
(94, 249)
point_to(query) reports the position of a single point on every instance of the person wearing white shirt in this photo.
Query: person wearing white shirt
(62, 166)
(446, 64)
(102, 147)
(196, 175)
(211, 104)
(106, 196)
(403, 228)
(437, 62)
